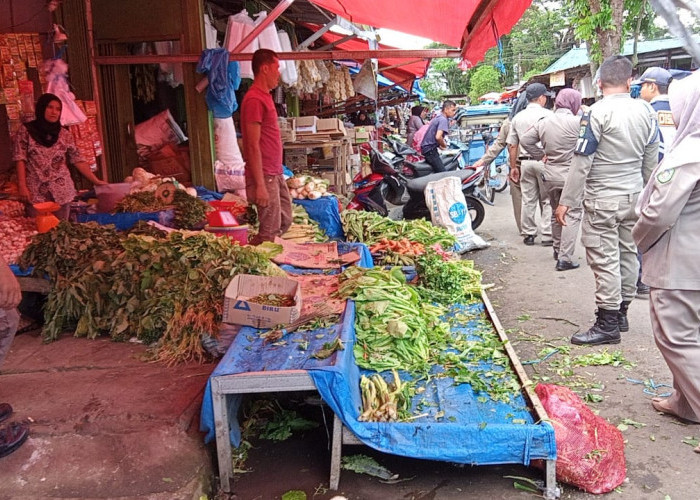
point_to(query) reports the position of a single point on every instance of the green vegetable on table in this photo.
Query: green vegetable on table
(447, 282)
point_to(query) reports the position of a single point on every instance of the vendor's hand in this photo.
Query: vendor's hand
(478, 163)
(261, 197)
(560, 214)
(99, 182)
(514, 174)
(10, 292)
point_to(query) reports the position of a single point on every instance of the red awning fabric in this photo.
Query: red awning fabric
(472, 25)
(402, 75)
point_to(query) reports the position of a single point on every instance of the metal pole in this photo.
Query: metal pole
(95, 84)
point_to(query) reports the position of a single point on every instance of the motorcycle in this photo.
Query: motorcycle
(414, 166)
(386, 184)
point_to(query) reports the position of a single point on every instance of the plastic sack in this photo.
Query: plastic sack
(590, 451)
(239, 26)
(365, 82)
(223, 81)
(448, 209)
(56, 71)
(289, 68)
(229, 167)
(154, 133)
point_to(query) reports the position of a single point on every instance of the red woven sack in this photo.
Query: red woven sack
(590, 451)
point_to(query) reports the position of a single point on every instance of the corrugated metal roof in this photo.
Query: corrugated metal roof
(578, 56)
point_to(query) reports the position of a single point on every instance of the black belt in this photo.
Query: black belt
(521, 158)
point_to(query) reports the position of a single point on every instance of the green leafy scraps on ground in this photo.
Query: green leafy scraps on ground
(604, 357)
(284, 423)
(627, 422)
(294, 495)
(691, 440)
(524, 317)
(362, 464)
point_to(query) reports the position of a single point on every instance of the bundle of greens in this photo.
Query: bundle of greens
(190, 212)
(370, 228)
(452, 281)
(166, 290)
(394, 327)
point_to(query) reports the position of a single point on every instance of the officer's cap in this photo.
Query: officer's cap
(535, 90)
(655, 75)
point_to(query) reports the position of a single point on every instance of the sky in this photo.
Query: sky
(401, 40)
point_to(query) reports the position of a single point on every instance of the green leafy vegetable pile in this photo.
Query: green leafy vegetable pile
(452, 281)
(370, 227)
(166, 289)
(190, 212)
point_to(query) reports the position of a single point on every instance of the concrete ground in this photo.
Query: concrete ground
(108, 425)
(104, 423)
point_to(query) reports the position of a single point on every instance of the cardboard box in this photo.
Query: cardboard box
(361, 136)
(239, 311)
(332, 126)
(306, 125)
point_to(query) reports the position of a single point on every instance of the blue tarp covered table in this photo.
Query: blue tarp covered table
(471, 430)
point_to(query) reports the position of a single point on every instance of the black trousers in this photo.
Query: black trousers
(433, 158)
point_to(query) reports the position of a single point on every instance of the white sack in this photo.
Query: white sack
(289, 68)
(239, 26)
(448, 209)
(229, 167)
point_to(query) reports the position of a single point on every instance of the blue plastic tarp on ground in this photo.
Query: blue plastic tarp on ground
(325, 211)
(127, 220)
(472, 429)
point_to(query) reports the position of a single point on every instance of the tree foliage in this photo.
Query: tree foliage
(484, 79)
(444, 77)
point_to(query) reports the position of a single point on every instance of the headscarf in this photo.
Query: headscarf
(42, 131)
(569, 99)
(684, 98)
(417, 110)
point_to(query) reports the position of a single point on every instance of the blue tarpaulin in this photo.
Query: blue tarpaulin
(472, 430)
(325, 211)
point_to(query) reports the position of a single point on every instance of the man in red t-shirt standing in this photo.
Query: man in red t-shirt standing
(262, 146)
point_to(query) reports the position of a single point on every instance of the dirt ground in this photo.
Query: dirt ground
(540, 308)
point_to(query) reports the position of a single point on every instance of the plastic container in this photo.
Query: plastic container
(108, 195)
(45, 219)
(238, 233)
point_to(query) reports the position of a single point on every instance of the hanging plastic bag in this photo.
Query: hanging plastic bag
(366, 80)
(223, 81)
(289, 72)
(56, 71)
(229, 167)
(590, 450)
(239, 26)
(448, 209)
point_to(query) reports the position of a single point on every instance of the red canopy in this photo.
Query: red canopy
(472, 25)
(405, 72)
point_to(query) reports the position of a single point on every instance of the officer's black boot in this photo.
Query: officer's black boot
(605, 330)
(622, 322)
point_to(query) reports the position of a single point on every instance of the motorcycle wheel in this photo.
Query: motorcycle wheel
(476, 211)
(499, 178)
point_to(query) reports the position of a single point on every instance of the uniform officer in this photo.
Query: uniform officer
(495, 149)
(557, 135)
(668, 233)
(615, 154)
(654, 90)
(527, 170)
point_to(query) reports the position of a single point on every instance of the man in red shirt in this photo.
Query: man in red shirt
(262, 147)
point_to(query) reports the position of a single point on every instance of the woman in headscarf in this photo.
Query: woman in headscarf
(558, 134)
(415, 122)
(668, 234)
(41, 148)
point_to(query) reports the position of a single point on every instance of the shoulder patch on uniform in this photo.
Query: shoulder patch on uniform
(587, 144)
(665, 176)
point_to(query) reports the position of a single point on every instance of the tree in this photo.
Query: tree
(444, 77)
(484, 79)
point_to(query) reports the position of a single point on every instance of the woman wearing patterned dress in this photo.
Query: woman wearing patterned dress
(41, 151)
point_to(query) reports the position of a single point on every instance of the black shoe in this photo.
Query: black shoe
(642, 291)
(529, 240)
(565, 265)
(605, 330)
(622, 322)
(555, 254)
(5, 411)
(11, 437)
(546, 243)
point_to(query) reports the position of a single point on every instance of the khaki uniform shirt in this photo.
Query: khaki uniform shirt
(522, 122)
(557, 135)
(499, 144)
(616, 152)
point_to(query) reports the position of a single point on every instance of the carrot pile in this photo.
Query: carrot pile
(397, 252)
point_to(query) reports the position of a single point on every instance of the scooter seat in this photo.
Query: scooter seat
(419, 184)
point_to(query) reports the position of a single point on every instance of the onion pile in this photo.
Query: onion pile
(303, 187)
(17, 234)
(10, 208)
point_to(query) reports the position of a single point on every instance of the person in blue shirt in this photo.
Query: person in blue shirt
(654, 90)
(434, 138)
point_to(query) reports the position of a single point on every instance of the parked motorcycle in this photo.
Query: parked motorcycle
(387, 184)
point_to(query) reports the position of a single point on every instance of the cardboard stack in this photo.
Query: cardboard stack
(86, 135)
(314, 129)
